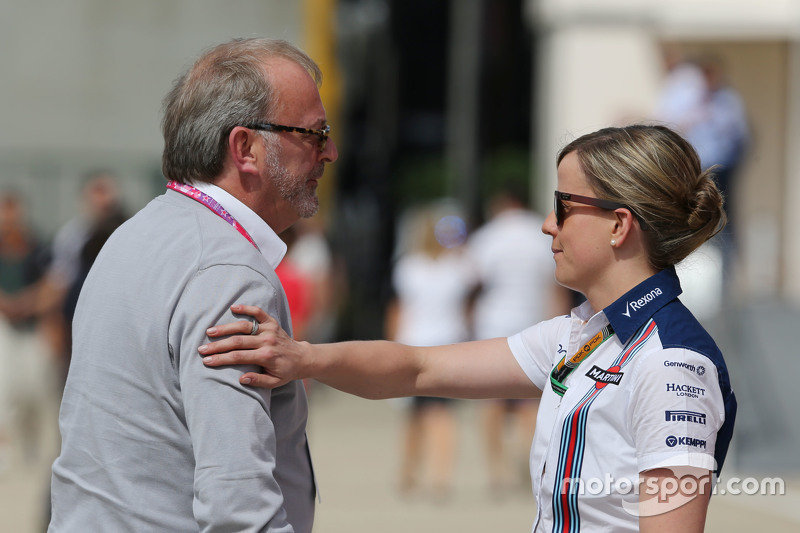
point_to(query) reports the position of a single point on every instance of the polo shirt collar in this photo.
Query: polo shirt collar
(638, 305)
(269, 244)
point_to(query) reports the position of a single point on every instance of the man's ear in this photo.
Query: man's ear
(242, 148)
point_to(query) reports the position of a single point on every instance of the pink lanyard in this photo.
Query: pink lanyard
(209, 202)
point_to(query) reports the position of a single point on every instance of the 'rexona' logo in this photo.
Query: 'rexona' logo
(641, 302)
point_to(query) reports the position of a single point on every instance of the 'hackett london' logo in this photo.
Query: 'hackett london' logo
(635, 305)
(681, 389)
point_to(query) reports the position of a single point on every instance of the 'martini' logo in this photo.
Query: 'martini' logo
(611, 376)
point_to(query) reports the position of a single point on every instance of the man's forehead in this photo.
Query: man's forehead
(280, 69)
(297, 95)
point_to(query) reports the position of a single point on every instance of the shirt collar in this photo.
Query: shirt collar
(639, 304)
(269, 244)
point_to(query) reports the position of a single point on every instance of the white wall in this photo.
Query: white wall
(599, 65)
(792, 194)
(82, 83)
(594, 76)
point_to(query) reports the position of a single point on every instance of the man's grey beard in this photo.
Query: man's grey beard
(294, 189)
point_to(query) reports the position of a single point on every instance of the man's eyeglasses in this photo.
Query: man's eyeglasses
(560, 208)
(321, 134)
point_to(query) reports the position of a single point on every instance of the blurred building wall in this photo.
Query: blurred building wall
(82, 84)
(599, 64)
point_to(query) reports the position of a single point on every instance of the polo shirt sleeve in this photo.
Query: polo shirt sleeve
(533, 349)
(675, 410)
(231, 426)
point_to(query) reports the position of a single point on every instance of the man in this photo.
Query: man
(101, 207)
(517, 289)
(152, 440)
(25, 359)
(100, 200)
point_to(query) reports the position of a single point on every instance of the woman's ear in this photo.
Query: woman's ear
(623, 226)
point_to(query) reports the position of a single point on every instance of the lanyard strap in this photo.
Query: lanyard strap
(209, 202)
(565, 367)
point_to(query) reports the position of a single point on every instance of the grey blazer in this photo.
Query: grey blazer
(152, 440)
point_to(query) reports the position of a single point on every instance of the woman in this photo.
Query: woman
(636, 409)
(432, 280)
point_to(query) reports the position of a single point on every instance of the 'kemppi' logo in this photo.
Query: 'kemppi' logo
(673, 441)
(641, 302)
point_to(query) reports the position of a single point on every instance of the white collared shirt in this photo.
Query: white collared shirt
(269, 244)
(516, 270)
(654, 395)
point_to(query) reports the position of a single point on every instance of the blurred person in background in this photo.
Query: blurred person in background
(101, 210)
(311, 278)
(100, 200)
(312, 256)
(722, 137)
(151, 439)
(25, 357)
(698, 100)
(517, 288)
(635, 394)
(683, 90)
(102, 214)
(432, 281)
(298, 287)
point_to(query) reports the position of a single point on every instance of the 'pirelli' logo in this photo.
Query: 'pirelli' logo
(685, 416)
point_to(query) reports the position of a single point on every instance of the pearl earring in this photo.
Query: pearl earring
(613, 242)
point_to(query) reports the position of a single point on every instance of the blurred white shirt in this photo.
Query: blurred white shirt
(517, 273)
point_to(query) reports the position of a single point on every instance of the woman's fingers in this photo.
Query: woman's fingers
(251, 310)
(261, 380)
(266, 358)
(237, 342)
(238, 346)
(242, 327)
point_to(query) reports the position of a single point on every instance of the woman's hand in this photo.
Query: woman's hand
(270, 348)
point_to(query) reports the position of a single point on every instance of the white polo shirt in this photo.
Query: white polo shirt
(656, 394)
(433, 295)
(516, 268)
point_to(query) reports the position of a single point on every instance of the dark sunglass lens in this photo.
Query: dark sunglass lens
(559, 209)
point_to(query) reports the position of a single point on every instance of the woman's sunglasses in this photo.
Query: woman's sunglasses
(560, 208)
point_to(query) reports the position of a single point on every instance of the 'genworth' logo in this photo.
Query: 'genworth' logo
(641, 302)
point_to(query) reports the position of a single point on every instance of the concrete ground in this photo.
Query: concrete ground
(356, 445)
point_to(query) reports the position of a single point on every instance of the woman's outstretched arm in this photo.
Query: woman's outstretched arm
(371, 369)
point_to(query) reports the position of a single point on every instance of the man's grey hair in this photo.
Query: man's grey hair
(226, 87)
